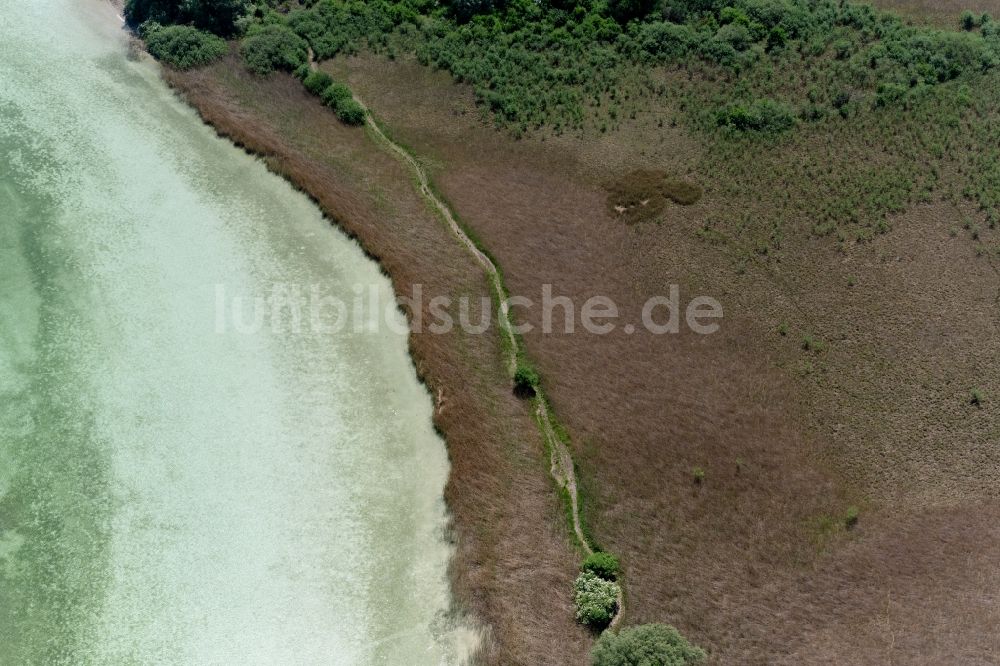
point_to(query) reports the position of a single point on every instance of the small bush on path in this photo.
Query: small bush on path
(602, 564)
(350, 112)
(317, 82)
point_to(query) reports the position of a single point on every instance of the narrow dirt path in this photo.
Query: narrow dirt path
(561, 460)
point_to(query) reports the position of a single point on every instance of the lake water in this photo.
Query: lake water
(173, 491)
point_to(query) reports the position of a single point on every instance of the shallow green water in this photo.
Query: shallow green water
(170, 493)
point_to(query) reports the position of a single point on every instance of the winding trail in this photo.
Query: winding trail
(561, 459)
(562, 468)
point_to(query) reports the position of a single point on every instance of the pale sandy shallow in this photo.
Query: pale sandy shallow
(170, 493)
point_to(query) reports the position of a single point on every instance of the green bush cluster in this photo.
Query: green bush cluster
(970, 21)
(596, 599)
(648, 645)
(272, 47)
(526, 379)
(602, 564)
(316, 81)
(335, 95)
(183, 46)
(350, 112)
(761, 116)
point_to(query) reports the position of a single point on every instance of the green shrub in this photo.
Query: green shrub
(842, 49)
(526, 379)
(274, 47)
(698, 475)
(184, 47)
(968, 20)
(813, 344)
(976, 397)
(646, 645)
(350, 112)
(602, 564)
(890, 93)
(147, 28)
(317, 82)
(626, 10)
(596, 599)
(765, 116)
(666, 42)
(851, 517)
(776, 38)
(466, 9)
(334, 93)
(735, 34)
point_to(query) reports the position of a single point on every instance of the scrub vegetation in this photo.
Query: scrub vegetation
(266, 45)
(566, 64)
(836, 77)
(743, 72)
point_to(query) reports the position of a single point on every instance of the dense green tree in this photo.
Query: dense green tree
(183, 46)
(216, 16)
(602, 564)
(274, 47)
(317, 82)
(350, 112)
(626, 10)
(466, 9)
(646, 645)
(334, 94)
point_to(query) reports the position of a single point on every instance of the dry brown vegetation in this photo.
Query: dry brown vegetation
(642, 195)
(755, 564)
